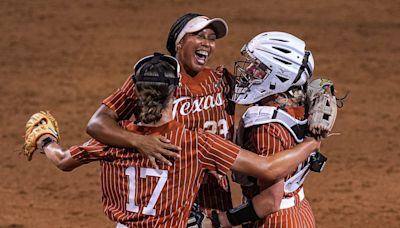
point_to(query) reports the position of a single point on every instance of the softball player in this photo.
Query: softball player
(277, 67)
(201, 101)
(137, 195)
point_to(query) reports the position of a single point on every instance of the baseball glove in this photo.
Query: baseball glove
(39, 124)
(322, 107)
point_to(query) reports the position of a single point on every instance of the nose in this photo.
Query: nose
(206, 42)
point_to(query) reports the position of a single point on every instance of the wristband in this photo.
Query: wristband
(47, 141)
(243, 213)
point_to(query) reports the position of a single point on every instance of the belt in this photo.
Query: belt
(291, 202)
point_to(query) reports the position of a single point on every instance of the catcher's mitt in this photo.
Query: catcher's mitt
(322, 107)
(39, 124)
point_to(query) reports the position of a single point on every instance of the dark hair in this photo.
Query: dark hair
(154, 95)
(176, 28)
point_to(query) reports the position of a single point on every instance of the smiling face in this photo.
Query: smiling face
(195, 49)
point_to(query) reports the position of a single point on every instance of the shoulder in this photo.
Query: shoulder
(261, 119)
(273, 129)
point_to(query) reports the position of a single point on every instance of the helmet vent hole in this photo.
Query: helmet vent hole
(282, 50)
(281, 78)
(272, 87)
(280, 40)
(283, 61)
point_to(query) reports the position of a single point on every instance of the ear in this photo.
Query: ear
(179, 44)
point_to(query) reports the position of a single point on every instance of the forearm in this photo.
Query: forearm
(268, 200)
(280, 165)
(104, 127)
(60, 157)
(274, 167)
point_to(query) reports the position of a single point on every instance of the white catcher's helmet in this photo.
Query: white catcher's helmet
(275, 62)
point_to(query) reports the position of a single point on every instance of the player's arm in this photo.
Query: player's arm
(269, 200)
(104, 127)
(59, 156)
(269, 169)
(276, 166)
(268, 141)
(265, 203)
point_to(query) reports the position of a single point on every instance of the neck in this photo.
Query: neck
(268, 101)
(190, 72)
(184, 68)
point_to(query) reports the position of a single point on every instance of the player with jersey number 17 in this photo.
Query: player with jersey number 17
(202, 102)
(134, 193)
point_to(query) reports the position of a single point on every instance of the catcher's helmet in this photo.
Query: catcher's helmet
(275, 62)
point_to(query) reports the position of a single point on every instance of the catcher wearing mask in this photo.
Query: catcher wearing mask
(276, 79)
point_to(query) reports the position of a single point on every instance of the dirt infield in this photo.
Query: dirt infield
(66, 56)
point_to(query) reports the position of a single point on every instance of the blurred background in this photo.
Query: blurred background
(67, 56)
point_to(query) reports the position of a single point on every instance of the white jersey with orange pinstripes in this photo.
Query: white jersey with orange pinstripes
(200, 103)
(136, 195)
(267, 140)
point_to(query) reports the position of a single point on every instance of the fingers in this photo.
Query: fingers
(162, 159)
(168, 153)
(157, 158)
(163, 139)
(168, 149)
(153, 162)
(158, 149)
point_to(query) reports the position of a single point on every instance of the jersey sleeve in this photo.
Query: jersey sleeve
(269, 139)
(216, 153)
(91, 150)
(123, 100)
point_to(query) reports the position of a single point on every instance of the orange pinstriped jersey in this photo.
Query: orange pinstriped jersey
(267, 140)
(137, 195)
(200, 104)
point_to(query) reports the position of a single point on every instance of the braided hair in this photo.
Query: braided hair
(154, 93)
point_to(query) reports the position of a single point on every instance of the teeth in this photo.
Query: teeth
(201, 52)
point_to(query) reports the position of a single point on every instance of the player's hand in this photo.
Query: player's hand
(222, 181)
(223, 219)
(157, 148)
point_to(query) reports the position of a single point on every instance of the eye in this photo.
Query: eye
(212, 37)
(203, 36)
(255, 71)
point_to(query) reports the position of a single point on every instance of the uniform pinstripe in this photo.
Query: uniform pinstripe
(200, 104)
(124, 173)
(267, 140)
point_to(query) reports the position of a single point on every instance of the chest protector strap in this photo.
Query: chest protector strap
(258, 115)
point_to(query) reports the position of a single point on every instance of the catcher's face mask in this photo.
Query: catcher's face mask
(154, 59)
(249, 72)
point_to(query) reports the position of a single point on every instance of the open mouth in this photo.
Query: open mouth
(201, 56)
